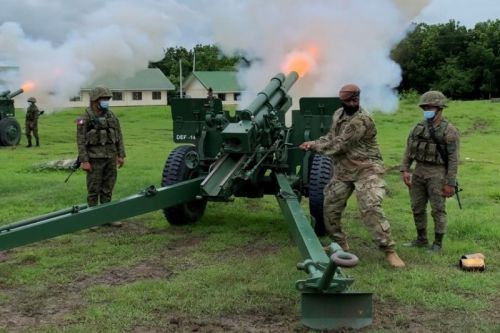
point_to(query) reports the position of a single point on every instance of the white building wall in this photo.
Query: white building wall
(147, 99)
(196, 90)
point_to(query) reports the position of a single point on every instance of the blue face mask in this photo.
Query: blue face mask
(429, 114)
(104, 105)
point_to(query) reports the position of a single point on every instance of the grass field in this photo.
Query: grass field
(235, 269)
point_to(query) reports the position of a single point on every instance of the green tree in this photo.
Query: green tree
(205, 57)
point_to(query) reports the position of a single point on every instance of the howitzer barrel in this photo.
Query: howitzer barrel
(15, 93)
(271, 95)
(259, 123)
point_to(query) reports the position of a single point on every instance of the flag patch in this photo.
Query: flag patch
(80, 122)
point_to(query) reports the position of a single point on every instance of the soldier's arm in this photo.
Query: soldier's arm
(121, 146)
(407, 161)
(342, 143)
(81, 140)
(452, 144)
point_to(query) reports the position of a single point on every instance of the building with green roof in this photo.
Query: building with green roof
(224, 85)
(147, 87)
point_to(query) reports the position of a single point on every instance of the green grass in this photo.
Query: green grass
(238, 261)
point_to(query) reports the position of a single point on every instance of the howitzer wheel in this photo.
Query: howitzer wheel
(10, 132)
(319, 176)
(176, 170)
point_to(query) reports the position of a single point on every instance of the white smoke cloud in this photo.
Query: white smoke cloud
(353, 41)
(62, 46)
(113, 37)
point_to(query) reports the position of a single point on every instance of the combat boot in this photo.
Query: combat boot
(437, 245)
(37, 142)
(394, 260)
(29, 143)
(421, 240)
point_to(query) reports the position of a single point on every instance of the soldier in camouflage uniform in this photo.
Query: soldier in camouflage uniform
(357, 164)
(32, 114)
(100, 147)
(434, 145)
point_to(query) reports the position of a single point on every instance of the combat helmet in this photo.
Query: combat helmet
(99, 92)
(32, 100)
(433, 98)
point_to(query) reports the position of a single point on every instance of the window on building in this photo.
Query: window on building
(117, 96)
(75, 99)
(156, 95)
(222, 97)
(137, 95)
(237, 96)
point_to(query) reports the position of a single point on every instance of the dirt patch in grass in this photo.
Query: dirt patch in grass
(31, 307)
(35, 307)
(478, 126)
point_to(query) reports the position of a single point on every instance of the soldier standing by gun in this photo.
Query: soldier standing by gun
(100, 147)
(434, 145)
(32, 114)
(357, 165)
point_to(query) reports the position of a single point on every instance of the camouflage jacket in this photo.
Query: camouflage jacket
(420, 147)
(32, 113)
(352, 145)
(99, 136)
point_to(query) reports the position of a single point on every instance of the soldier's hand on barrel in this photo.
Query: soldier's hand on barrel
(308, 145)
(120, 161)
(86, 166)
(406, 178)
(448, 190)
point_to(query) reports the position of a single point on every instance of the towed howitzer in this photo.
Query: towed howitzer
(10, 130)
(250, 154)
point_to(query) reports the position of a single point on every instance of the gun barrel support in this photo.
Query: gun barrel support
(71, 220)
(15, 93)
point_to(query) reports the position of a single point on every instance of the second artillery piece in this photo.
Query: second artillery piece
(10, 130)
(251, 154)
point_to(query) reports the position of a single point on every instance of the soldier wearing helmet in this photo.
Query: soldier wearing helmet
(100, 147)
(357, 164)
(31, 123)
(434, 146)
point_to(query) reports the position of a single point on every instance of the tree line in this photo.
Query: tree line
(464, 63)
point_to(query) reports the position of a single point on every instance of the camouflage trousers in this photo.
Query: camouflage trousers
(428, 190)
(31, 127)
(370, 193)
(101, 180)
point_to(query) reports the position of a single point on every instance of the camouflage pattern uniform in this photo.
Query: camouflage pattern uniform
(100, 142)
(31, 124)
(357, 164)
(431, 173)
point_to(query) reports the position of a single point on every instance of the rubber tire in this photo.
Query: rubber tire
(9, 124)
(176, 171)
(320, 173)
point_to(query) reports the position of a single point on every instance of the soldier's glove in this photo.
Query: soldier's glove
(120, 161)
(42, 112)
(448, 190)
(86, 166)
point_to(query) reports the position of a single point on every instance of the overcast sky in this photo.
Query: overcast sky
(468, 12)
